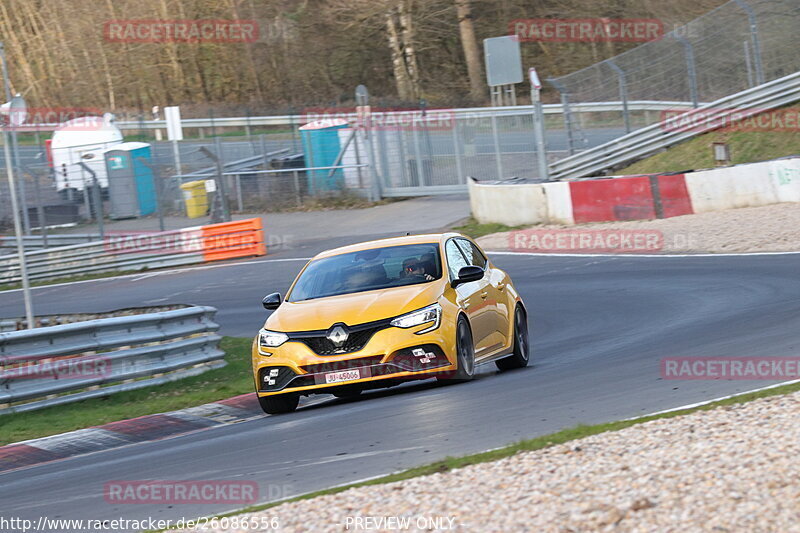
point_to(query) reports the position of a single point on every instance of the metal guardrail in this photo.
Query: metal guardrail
(60, 364)
(141, 250)
(646, 141)
(301, 118)
(8, 245)
(51, 263)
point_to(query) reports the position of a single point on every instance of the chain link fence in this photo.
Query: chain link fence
(741, 44)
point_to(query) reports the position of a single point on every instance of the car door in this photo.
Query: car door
(494, 301)
(471, 297)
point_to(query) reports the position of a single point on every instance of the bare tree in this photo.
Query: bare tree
(471, 52)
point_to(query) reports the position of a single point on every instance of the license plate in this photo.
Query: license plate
(346, 375)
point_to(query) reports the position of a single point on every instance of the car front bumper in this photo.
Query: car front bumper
(391, 353)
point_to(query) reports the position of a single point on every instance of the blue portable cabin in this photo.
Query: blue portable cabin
(322, 146)
(131, 184)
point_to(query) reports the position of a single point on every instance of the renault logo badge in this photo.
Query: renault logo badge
(337, 335)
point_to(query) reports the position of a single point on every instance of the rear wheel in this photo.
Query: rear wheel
(521, 355)
(279, 404)
(465, 354)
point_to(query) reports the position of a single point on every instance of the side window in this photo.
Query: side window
(472, 253)
(455, 258)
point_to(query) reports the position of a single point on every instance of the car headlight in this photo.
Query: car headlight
(271, 339)
(432, 313)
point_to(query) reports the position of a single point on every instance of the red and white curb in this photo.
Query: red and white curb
(127, 432)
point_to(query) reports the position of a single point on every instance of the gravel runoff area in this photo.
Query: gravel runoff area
(770, 228)
(730, 469)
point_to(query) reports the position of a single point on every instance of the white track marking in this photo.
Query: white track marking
(545, 254)
(706, 402)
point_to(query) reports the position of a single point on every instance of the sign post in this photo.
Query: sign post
(538, 123)
(172, 114)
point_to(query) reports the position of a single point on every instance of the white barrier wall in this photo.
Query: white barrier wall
(755, 184)
(750, 185)
(521, 204)
(785, 175)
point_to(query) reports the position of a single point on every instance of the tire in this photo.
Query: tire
(465, 354)
(522, 347)
(279, 404)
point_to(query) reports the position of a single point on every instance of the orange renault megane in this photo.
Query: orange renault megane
(382, 312)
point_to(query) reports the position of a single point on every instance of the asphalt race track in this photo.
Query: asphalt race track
(600, 326)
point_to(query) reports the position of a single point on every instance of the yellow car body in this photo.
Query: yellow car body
(377, 352)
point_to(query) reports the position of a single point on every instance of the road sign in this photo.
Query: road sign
(503, 60)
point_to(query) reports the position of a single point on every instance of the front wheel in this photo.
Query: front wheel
(521, 355)
(279, 404)
(465, 354)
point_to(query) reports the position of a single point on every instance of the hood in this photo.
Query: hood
(356, 308)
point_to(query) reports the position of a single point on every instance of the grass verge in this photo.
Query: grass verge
(581, 431)
(233, 379)
(745, 146)
(475, 229)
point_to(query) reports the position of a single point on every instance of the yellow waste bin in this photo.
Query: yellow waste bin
(195, 198)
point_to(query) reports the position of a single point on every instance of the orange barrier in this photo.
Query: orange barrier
(241, 238)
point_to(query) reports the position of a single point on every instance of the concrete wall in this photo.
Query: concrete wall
(605, 199)
(521, 204)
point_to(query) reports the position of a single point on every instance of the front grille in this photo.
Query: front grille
(336, 366)
(358, 336)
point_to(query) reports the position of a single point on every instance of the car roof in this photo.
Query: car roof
(391, 241)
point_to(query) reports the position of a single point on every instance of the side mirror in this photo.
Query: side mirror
(467, 274)
(271, 301)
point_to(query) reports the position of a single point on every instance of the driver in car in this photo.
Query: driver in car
(415, 267)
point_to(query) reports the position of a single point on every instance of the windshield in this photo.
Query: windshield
(366, 270)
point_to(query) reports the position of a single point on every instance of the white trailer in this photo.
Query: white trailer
(84, 140)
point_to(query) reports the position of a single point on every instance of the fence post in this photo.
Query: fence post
(688, 51)
(538, 130)
(176, 155)
(220, 198)
(565, 113)
(748, 63)
(39, 207)
(623, 93)
(496, 140)
(239, 199)
(296, 177)
(26, 220)
(96, 197)
(457, 152)
(751, 18)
